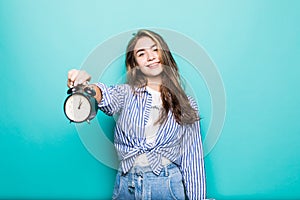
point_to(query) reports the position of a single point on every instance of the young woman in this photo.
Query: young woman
(157, 134)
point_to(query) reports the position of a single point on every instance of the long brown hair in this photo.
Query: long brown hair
(173, 96)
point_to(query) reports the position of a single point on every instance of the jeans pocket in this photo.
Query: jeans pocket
(117, 187)
(176, 186)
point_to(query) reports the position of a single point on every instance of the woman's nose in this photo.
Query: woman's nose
(151, 55)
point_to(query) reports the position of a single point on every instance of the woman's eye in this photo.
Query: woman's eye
(140, 54)
(154, 49)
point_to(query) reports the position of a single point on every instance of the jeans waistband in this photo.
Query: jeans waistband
(147, 169)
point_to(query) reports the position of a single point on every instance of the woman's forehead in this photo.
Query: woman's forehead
(144, 43)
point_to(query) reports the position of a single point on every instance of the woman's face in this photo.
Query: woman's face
(147, 58)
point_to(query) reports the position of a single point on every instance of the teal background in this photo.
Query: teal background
(254, 44)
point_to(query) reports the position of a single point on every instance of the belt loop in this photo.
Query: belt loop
(166, 170)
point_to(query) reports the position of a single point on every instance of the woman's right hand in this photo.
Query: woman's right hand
(76, 77)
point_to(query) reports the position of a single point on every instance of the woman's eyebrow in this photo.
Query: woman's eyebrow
(143, 49)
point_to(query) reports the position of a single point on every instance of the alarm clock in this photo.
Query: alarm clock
(80, 105)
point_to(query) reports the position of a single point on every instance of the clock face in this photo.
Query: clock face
(77, 108)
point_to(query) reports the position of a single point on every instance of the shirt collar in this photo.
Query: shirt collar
(141, 89)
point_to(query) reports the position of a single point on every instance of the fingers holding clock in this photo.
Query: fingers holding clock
(72, 74)
(82, 78)
(76, 77)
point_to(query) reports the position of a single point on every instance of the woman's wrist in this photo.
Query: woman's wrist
(98, 95)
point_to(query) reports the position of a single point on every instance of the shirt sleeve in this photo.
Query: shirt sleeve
(192, 162)
(113, 98)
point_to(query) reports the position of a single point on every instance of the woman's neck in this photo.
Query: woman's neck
(155, 87)
(154, 84)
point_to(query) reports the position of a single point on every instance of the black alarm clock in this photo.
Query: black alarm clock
(80, 105)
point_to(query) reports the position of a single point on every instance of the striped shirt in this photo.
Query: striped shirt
(181, 144)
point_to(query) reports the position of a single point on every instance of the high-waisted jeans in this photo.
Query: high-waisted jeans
(140, 183)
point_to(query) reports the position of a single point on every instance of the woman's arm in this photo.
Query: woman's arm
(110, 99)
(76, 77)
(192, 162)
(98, 95)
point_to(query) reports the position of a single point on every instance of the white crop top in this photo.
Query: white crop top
(151, 127)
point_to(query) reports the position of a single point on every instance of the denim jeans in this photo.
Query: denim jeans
(140, 183)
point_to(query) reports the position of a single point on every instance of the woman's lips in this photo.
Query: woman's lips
(153, 65)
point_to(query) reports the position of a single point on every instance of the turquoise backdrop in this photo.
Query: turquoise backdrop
(254, 44)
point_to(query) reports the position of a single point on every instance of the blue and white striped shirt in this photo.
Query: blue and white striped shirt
(181, 144)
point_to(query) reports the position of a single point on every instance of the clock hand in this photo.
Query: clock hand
(80, 103)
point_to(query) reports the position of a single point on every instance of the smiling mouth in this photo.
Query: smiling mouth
(153, 65)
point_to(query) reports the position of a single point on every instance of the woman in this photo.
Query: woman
(157, 134)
